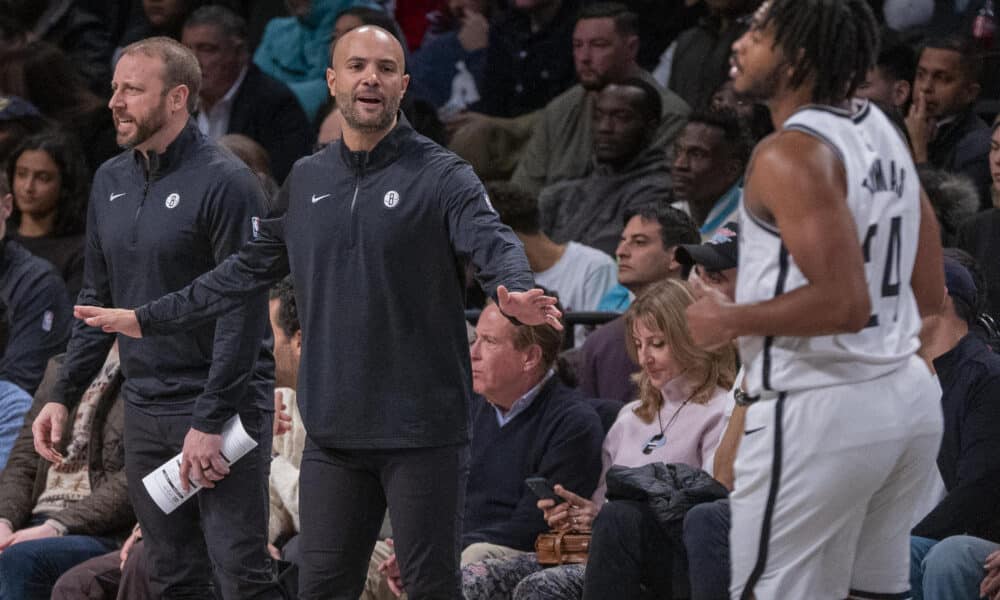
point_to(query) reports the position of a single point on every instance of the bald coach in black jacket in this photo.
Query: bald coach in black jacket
(371, 229)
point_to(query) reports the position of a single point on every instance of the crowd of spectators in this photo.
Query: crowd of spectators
(613, 146)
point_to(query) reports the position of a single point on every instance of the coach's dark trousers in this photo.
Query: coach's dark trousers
(343, 495)
(219, 535)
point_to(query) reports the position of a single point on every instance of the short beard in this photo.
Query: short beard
(353, 119)
(764, 88)
(147, 128)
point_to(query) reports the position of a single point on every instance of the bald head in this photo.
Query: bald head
(367, 79)
(370, 32)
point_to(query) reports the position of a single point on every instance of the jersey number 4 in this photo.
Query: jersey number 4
(891, 275)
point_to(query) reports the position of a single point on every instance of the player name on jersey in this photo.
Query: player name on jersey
(882, 180)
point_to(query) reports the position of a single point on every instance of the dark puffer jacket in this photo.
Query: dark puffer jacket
(670, 490)
(106, 511)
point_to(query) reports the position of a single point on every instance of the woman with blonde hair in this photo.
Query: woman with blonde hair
(682, 387)
(676, 419)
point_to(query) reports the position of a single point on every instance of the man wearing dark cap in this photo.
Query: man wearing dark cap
(969, 459)
(715, 261)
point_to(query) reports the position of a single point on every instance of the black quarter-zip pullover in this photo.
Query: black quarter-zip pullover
(152, 230)
(372, 240)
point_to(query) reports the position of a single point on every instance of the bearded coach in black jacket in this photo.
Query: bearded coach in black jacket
(170, 207)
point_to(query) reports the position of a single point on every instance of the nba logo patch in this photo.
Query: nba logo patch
(489, 205)
(173, 200)
(47, 319)
(391, 199)
(255, 227)
(722, 236)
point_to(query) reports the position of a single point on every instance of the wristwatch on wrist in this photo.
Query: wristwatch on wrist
(743, 398)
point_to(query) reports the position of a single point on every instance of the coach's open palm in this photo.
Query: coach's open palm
(532, 307)
(110, 320)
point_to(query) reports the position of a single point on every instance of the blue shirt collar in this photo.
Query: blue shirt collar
(521, 404)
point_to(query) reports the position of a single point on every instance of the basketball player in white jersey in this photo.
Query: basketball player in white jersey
(839, 260)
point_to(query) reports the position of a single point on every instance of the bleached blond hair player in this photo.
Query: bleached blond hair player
(839, 260)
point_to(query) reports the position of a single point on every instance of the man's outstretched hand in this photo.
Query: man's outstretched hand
(110, 320)
(531, 308)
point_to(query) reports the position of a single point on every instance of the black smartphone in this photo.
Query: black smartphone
(543, 489)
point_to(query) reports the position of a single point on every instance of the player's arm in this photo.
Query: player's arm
(927, 280)
(801, 182)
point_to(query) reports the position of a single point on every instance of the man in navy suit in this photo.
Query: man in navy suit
(237, 97)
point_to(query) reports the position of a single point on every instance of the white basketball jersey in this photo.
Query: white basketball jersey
(883, 194)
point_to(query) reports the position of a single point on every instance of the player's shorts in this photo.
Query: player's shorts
(827, 485)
